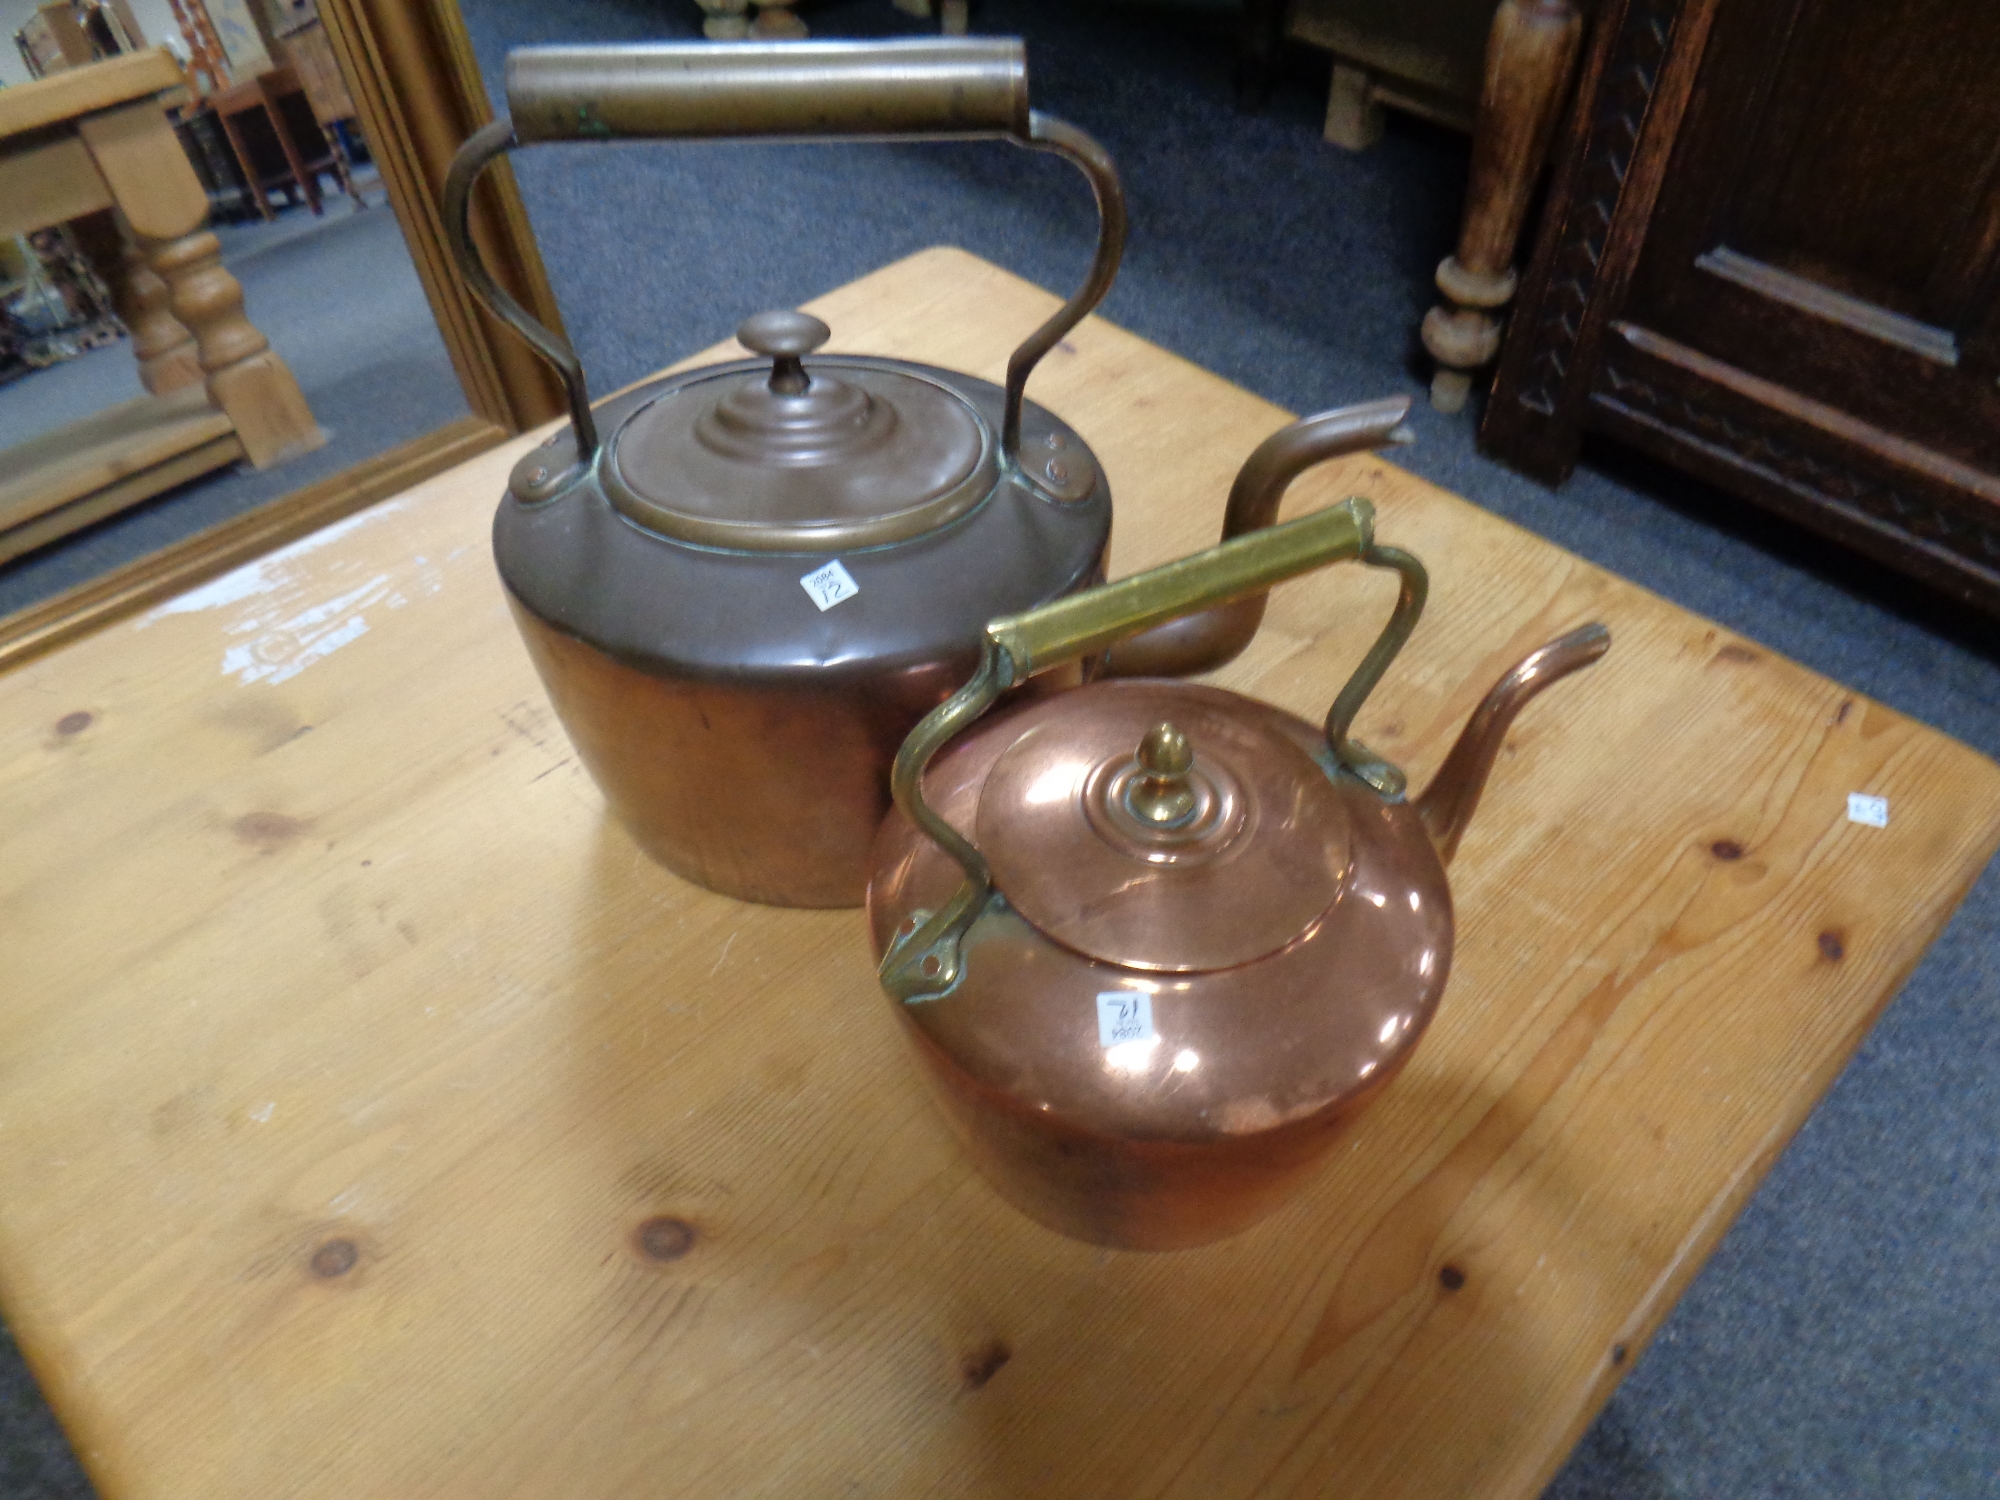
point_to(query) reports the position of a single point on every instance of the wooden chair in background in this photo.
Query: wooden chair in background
(277, 139)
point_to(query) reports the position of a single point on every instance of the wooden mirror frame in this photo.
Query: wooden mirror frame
(417, 92)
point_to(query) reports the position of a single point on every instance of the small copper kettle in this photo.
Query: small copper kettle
(1157, 943)
(745, 590)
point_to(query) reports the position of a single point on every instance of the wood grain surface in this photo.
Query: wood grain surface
(78, 91)
(98, 451)
(376, 1121)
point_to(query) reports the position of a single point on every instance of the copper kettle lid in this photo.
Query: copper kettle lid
(842, 454)
(1151, 825)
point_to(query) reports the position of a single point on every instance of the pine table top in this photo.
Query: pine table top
(376, 1121)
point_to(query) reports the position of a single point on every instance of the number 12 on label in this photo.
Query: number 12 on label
(1125, 1016)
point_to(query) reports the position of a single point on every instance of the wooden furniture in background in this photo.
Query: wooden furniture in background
(768, 20)
(53, 41)
(417, 93)
(358, 1075)
(1424, 57)
(309, 52)
(40, 48)
(1772, 257)
(96, 138)
(64, 34)
(273, 129)
(1499, 68)
(208, 63)
(1529, 54)
(214, 162)
(776, 20)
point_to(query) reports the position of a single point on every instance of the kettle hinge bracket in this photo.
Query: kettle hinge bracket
(926, 960)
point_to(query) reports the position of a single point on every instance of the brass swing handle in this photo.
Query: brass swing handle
(924, 961)
(910, 88)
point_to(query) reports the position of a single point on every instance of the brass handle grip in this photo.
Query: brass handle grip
(912, 87)
(924, 961)
(1089, 621)
(922, 86)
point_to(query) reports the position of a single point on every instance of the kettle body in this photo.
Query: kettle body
(742, 585)
(1227, 1084)
(1157, 944)
(740, 714)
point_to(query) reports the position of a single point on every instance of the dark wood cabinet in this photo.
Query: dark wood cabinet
(1771, 256)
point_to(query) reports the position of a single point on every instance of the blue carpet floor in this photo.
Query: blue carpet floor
(1845, 1339)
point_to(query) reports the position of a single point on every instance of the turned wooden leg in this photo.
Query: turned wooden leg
(307, 181)
(137, 154)
(343, 169)
(245, 378)
(1353, 114)
(1528, 58)
(168, 357)
(726, 20)
(247, 167)
(168, 360)
(775, 21)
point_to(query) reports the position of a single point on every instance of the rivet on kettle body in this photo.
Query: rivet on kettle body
(544, 474)
(1065, 475)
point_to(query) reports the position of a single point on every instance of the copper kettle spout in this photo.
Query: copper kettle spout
(1202, 642)
(1447, 804)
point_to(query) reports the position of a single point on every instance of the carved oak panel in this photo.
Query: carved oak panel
(1773, 257)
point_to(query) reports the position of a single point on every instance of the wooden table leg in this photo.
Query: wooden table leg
(1528, 58)
(168, 358)
(308, 181)
(246, 166)
(727, 20)
(1353, 113)
(343, 169)
(141, 161)
(777, 21)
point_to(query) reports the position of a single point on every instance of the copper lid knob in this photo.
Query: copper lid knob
(1106, 829)
(786, 337)
(1161, 796)
(851, 453)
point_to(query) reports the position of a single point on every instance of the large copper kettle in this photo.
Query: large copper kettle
(744, 593)
(1156, 943)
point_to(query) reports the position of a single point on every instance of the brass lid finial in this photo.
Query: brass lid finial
(1162, 796)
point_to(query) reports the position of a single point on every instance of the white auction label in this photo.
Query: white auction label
(1862, 808)
(829, 585)
(1125, 1016)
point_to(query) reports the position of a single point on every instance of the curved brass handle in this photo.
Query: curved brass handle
(921, 87)
(1204, 641)
(924, 961)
